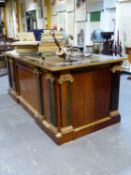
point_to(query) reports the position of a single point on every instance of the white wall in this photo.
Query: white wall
(124, 22)
(108, 15)
(123, 25)
(92, 6)
(108, 12)
(67, 18)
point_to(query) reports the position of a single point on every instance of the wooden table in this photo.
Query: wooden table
(128, 52)
(67, 101)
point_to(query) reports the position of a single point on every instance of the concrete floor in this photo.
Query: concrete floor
(26, 150)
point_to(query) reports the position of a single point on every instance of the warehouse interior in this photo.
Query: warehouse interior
(65, 103)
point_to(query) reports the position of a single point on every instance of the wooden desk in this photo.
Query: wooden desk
(67, 101)
(128, 52)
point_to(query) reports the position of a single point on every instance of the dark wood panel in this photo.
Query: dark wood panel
(9, 72)
(46, 102)
(90, 96)
(115, 86)
(58, 105)
(28, 85)
(52, 102)
(66, 114)
(40, 93)
(11, 67)
(49, 100)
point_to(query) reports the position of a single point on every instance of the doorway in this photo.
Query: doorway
(31, 20)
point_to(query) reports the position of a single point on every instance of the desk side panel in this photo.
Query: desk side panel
(90, 94)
